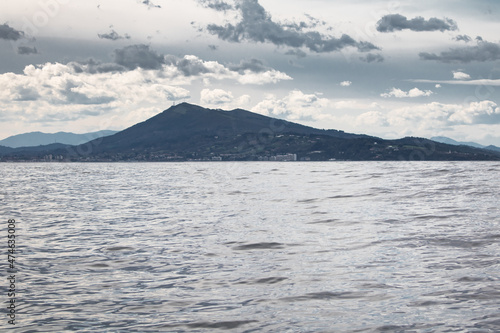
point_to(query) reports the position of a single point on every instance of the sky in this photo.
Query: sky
(385, 68)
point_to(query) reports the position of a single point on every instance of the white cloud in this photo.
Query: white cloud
(438, 86)
(354, 105)
(270, 76)
(439, 115)
(484, 112)
(215, 97)
(427, 120)
(295, 106)
(398, 93)
(460, 75)
(372, 118)
(345, 83)
(222, 98)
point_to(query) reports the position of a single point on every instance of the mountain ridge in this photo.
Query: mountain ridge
(187, 132)
(444, 139)
(37, 138)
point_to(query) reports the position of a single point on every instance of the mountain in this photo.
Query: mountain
(493, 148)
(38, 138)
(449, 141)
(189, 132)
(187, 123)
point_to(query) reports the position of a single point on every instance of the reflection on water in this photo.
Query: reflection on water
(193, 247)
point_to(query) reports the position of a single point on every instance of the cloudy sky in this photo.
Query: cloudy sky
(386, 68)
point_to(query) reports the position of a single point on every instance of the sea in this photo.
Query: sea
(252, 247)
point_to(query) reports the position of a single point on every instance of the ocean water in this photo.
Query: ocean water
(254, 247)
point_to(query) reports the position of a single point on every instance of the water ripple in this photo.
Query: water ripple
(250, 247)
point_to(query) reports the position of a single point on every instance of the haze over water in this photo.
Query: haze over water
(247, 247)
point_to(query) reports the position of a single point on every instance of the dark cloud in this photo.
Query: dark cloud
(483, 51)
(216, 4)
(256, 25)
(296, 52)
(397, 22)
(463, 38)
(139, 55)
(113, 35)
(150, 4)
(254, 65)
(94, 67)
(142, 56)
(370, 57)
(213, 47)
(135, 56)
(25, 50)
(9, 33)
(188, 66)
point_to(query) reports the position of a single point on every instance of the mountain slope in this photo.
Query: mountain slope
(5, 150)
(186, 125)
(38, 138)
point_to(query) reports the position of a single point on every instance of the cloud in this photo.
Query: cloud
(372, 118)
(215, 97)
(482, 52)
(55, 92)
(484, 112)
(253, 65)
(139, 78)
(256, 25)
(438, 115)
(25, 50)
(398, 93)
(270, 76)
(295, 106)
(139, 55)
(370, 57)
(345, 83)
(92, 66)
(150, 4)
(216, 4)
(182, 70)
(460, 75)
(218, 98)
(398, 22)
(113, 35)
(480, 82)
(296, 52)
(189, 65)
(9, 33)
(463, 38)
(430, 118)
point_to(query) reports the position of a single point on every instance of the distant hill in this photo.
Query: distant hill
(187, 132)
(449, 141)
(493, 148)
(38, 138)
